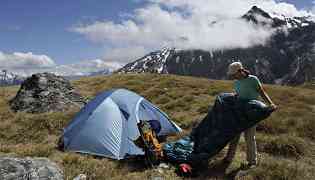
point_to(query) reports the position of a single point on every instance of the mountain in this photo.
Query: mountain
(259, 16)
(153, 62)
(104, 72)
(8, 78)
(287, 58)
(86, 68)
(83, 68)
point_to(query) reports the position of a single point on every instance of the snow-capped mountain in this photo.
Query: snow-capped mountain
(84, 68)
(288, 57)
(153, 62)
(8, 78)
(69, 71)
(259, 16)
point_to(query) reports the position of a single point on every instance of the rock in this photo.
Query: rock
(29, 169)
(164, 166)
(80, 177)
(46, 92)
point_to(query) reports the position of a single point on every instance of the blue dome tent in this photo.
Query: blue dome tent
(107, 125)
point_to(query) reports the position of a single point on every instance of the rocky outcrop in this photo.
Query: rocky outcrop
(29, 169)
(302, 70)
(46, 92)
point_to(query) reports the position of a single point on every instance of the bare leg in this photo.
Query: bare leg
(251, 149)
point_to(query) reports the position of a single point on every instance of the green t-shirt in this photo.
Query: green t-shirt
(247, 88)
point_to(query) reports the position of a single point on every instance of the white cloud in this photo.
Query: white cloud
(26, 64)
(84, 67)
(232, 8)
(19, 60)
(125, 54)
(202, 24)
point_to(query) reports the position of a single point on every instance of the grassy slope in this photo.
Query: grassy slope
(286, 141)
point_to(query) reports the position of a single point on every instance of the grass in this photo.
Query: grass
(286, 140)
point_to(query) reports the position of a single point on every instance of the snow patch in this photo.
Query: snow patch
(305, 24)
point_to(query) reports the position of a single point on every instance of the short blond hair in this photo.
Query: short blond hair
(234, 68)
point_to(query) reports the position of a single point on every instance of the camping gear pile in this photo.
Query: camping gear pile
(228, 118)
(119, 123)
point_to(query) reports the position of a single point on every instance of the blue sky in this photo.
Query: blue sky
(67, 31)
(301, 4)
(42, 27)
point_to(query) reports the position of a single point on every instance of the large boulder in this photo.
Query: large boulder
(46, 92)
(29, 169)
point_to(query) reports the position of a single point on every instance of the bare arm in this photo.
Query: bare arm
(265, 96)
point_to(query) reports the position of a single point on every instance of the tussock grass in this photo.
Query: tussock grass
(30, 150)
(286, 140)
(272, 168)
(284, 145)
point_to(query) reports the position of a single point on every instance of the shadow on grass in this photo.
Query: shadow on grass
(134, 164)
(216, 170)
